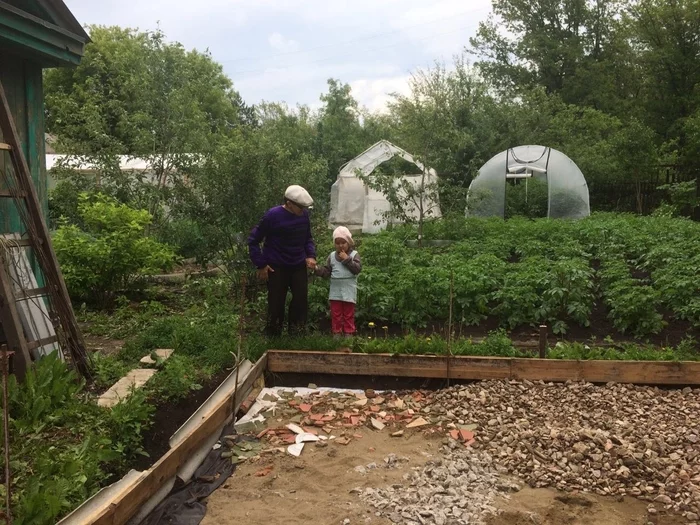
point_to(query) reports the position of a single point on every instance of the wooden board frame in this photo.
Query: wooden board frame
(127, 504)
(475, 368)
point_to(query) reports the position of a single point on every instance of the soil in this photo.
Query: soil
(528, 336)
(550, 507)
(315, 488)
(102, 345)
(170, 417)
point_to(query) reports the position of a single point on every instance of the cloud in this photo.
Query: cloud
(376, 92)
(285, 50)
(282, 44)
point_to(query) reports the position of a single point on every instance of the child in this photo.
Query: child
(342, 266)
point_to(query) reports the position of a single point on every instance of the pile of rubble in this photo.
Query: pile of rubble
(610, 440)
(457, 490)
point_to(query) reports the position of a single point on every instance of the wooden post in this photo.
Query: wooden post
(11, 323)
(543, 341)
(6, 430)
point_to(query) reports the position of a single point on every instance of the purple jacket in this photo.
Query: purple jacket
(287, 239)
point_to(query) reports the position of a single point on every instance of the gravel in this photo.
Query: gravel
(455, 490)
(609, 440)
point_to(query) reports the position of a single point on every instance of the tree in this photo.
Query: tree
(577, 49)
(136, 94)
(339, 132)
(667, 37)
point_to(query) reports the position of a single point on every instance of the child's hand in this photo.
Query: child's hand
(342, 255)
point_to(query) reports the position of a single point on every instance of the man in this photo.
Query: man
(287, 253)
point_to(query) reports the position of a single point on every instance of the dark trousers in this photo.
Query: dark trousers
(279, 282)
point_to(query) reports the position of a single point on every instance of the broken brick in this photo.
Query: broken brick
(466, 435)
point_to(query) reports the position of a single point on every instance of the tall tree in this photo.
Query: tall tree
(339, 131)
(667, 37)
(575, 48)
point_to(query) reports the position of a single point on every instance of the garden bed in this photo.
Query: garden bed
(342, 365)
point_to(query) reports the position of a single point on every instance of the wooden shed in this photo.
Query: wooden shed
(34, 34)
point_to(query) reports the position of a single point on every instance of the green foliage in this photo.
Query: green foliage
(178, 376)
(524, 272)
(62, 445)
(111, 254)
(529, 199)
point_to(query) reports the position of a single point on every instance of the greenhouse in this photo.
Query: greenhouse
(359, 207)
(567, 190)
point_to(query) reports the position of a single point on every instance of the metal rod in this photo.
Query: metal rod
(543, 341)
(6, 432)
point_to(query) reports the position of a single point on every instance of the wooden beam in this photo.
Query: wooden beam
(12, 194)
(11, 323)
(5, 147)
(127, 505)
(463, 367)
(42, 342)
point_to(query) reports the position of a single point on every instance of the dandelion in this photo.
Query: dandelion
(386, 331)
(371, 325)
(427, 339)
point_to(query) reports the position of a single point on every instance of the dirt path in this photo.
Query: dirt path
(315, 488)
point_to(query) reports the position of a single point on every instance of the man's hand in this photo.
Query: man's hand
(342, 255)
(311, 263)
(263, 273)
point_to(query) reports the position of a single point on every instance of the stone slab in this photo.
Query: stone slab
(162, 353)
(123, 388)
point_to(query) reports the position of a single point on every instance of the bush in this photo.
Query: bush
(111, 254)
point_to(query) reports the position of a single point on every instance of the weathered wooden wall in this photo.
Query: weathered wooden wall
(22, 80)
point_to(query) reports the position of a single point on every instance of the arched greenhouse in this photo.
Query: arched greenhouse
(566, 186)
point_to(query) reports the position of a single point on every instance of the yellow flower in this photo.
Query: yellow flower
(385, 327)
(427, 339)
(371, 325)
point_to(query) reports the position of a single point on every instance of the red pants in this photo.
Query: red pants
(342, 317)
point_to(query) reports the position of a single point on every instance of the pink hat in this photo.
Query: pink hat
(341, 232)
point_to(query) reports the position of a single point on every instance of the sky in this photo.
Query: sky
(285, 50)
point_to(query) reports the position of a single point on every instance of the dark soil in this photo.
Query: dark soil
(600, 328)
(169, 417)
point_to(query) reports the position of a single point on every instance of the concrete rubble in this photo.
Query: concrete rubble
(616, 440)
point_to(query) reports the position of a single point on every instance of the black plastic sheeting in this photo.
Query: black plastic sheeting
(186, 504)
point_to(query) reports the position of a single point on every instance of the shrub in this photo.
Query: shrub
(111, 254)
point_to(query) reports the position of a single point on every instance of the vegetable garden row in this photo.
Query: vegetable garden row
(644, 271)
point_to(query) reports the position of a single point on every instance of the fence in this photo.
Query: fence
(639, 196)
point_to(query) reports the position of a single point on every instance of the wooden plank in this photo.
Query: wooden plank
(127, 504)
(5, 147)
(466, 367)
(35, 315)
(12, 194)
(42, 342)
(11, 322)
(32, 293)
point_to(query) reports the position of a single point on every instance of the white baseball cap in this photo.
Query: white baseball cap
(299, 196)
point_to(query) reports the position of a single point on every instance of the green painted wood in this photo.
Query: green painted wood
(23, 86)
(29, 34)
(36, 145)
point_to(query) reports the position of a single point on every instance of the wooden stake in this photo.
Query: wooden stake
(449, 326)
(241, 316)
(543, 341)
(6, 431)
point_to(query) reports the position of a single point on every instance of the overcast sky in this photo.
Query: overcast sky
(285, 50)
